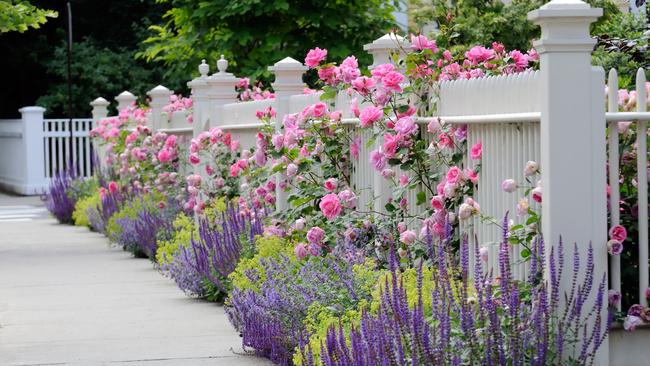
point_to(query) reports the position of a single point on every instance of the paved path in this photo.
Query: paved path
(67, 298)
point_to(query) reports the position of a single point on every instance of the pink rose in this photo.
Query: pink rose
(319, 109)
(378, 160)
(391, 143)
(194, 159)
(314, 249)
(613, 297)
(171, 141)
(349, 69)
(406, 126)
(531, 168)
(454, 174)
(380, 71)
(407, 237)
(330, 205)
(348, 198)
(477, 151)
(328, 74)
(618, 232)
(438, 202)
(509, 185)
(354, 107)
(403, 180)
(292, 169)
(421, 42)
(164, 155)
(300, 250)
(537, 194)
(363, 84)
(631, 322)
(315, 235)
(370, 115)
(315, 56)
(392, 80)
(614, 247)
(331, 184)
(113, 187)
(387, 173)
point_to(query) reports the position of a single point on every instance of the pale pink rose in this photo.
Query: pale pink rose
(477, 151)
(391, 143)
(370, 115)
(354, 107)
(299, 224)
(380, 71)
(387, 173)
(618, 232)
(509, 185)
(465, 211)
(315, 57)
(292, 169)
(454, 175)
(315, 235)
(631, 322)
(330, 206)
(378, 160)
(331, 184)
(614, 247)
(406, 126)
(300, 251)
(421, 42)
(403, 180)
(434, 126)
(354, 147)
(402, 252)
(407, 237)
(348, 198)
(219, 182)
(531, 168)
(522, 207)
(537, 194)
(483, 253)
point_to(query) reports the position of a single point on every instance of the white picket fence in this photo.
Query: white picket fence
(34, 149)
(555, 116)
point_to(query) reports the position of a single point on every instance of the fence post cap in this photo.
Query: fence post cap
(159, 91)
(387, 41)
(100, 102)
(125, 95)
(565, 9)
(32, 109)
(288, 64)
(204, 69)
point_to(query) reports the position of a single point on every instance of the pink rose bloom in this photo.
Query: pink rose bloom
(171, 141)
(509, 185)
(407, 237)
(618, 232)
(406, 126)
(328, 74)
(370, 115)
(354, 147)
(454, 174)
(476, 151)
(330, 206)
(522, 207)
(164, 155)
(613, 297)
(403, 180)
(363, 84)
(471, 175)
(194, 159)
(300, 251)
(315, 235)
(444, 140)
(421, 42)
(438, 202)
(387, 173)
(331, 184)
(392, 80)
(112, 187)
(391, 143)
(537, 194)
(354, 107)
(531, 168)
(378, 160)
(315, 56)
(234, 170)
(348, 198)
(614, 247)
(380, 71)
(269, 198)
(131, 137)
(479, 54)
(631, 322)
(219, 182)
(319, 109)
(483, 253)
(519, 59)
(349, 69)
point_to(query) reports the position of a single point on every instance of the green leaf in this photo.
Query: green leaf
(421, 198)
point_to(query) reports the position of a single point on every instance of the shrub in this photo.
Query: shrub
(80, 213)
(183, 226)
(59, 198)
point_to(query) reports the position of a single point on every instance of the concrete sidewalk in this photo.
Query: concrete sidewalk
(67, 298)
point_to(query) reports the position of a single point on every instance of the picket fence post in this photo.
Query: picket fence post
(381, 50)
(288, 81)
(200, 104)
(159, 98)
(221, 91)
(124, 100)
(573, 140)
(33, 149)
(99, 112)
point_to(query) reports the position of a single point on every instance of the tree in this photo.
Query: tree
(19, 15)
(254, 34)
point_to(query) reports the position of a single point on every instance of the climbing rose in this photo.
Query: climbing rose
(618, 232)
(407, 237)
(300, 251)
(370, 115)
(112, 187)
(421, 42)
(614, 247)
(315, 56)
(613, 297)
(331, 184)
(330, 205)
(315, 235)
(319, 109)
(477, 151)
(378, 160)
(194, 159)
(537, 194)
(531, 168)
(348, 198)
(509, 185)
(406, 126)
(392, 80)
(164, 155)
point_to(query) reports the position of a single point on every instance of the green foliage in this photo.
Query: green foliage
(254, 34)
(80, 215)
(266, 247)
(97, 71)
(20, 15)
(184, 226)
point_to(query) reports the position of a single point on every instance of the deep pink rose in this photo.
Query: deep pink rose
(319, 109)
(392, 80)
(618, 232)
(391, 143)
(315, 56)
(370, 115)
(330, 205)
(113, 187)
(331, 184)
(477, 151)
(315, 235)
